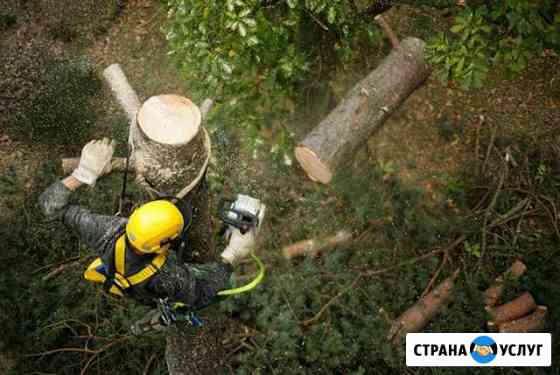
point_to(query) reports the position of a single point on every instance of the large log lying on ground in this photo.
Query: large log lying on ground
(364, 109)
(419, 315)
(494, 292)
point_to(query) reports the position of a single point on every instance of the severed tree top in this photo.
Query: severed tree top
(169, 119)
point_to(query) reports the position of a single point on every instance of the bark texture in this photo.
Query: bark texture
(418, 316)
(314, 246)
(535, 322)
(364, 109)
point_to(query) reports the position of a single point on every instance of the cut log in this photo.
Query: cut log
(314, 246)
(521, 306)
(418, 316)
(535, 322)
(364, 109)
(117, 164)
(493, 294)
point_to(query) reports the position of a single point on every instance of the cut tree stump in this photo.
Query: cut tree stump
(364, 110)
(494, 292)
(419, 315)
(521, 306)
(170, 151)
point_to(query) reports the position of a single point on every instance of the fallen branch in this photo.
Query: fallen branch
(493, 294)
(521, 306)
(117, 164)
(313, 247)
(531, 323)
(58, 270)
(418, 316)
(388, 31)
(436, 274)
(416, 259)
(317, 316)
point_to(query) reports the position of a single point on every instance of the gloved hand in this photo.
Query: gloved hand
(240, 245)
(94, 161)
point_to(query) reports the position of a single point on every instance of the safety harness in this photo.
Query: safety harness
(113, 276)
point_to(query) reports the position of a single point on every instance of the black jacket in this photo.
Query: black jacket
(193, 285)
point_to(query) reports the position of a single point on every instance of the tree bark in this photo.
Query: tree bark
(177, 167)
(535, 322)
(314, 246)
(418, 316)
(366, 107)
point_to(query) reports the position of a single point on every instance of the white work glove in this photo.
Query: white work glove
(95, 161)
(240, 245)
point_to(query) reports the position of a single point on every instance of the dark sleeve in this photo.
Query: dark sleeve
(95, 230)
(195, 286)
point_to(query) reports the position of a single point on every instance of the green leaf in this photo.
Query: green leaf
(331, 16)
(242, 29)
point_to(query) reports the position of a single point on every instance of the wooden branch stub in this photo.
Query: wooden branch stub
(493, 294)
(314, 246)
(117, 164)
(387, 30)
(419, 315)
(531, 323)
(515, 309)
(125, 95)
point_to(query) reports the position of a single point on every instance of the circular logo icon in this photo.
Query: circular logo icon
(483, 349)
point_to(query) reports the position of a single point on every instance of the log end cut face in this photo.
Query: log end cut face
(312, 165)
(169, 119)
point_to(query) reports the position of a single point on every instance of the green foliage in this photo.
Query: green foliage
(255, 55)
(506, 33)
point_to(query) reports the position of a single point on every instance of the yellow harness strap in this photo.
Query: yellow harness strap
(93, 274)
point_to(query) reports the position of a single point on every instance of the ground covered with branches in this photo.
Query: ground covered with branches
(466, 180)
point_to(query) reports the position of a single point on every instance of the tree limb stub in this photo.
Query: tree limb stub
(535, 322)
(388, 31)
(493, 294)
(364, 110)
(314, 246)
(418, 316)
(517, 308)
(117, 164)
(125, 95)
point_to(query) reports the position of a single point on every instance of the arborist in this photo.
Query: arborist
(135, 254)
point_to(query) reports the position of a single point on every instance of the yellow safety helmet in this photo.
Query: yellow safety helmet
(153, 225)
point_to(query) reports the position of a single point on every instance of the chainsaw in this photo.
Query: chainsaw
(243, 213)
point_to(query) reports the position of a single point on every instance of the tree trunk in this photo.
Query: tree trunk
(171, 159)
(366, 107)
